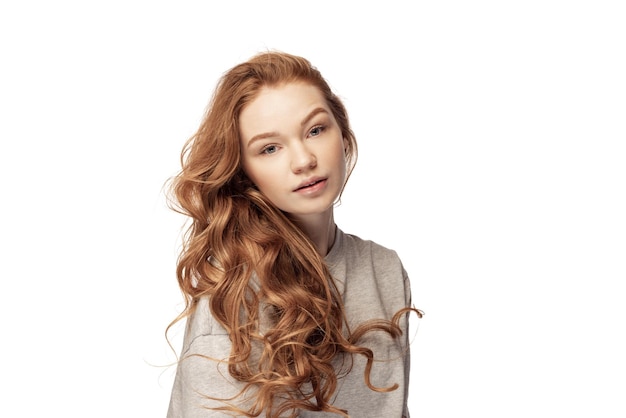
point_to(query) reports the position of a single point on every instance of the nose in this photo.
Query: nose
(302, 158)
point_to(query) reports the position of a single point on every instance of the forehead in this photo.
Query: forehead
(282, 102)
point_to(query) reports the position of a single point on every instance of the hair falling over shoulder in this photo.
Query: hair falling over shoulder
(245, 254)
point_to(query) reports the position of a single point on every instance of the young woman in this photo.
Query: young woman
(287, 316)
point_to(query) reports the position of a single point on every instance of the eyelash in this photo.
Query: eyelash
(264, 149)
(320, 128)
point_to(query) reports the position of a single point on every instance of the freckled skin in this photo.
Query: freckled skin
(298, 139)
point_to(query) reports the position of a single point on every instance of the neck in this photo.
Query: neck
(320, 229)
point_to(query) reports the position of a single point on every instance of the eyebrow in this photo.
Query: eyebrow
(306, 120)
(312, 114)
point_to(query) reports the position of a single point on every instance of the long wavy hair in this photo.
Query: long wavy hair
(252, 261)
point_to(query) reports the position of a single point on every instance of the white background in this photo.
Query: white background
(492, 159)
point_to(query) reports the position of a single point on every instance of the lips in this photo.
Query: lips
(309, 183)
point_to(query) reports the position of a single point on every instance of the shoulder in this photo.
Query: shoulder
(361, 249)
(200, 325)
(360, 243)
(202, 379)
(371, 278)
(354, 259)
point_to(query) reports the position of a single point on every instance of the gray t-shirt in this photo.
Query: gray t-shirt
(374, 285)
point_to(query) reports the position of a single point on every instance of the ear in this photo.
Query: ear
(345, 145)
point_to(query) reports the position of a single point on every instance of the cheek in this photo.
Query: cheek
(340, 155)
(249, 171)
(261, 177)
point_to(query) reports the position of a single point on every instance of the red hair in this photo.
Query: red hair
(256, 246)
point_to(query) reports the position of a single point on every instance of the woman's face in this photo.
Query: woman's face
(293, 149)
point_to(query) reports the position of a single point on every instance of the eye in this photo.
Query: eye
(270, 149)
(317, 130)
